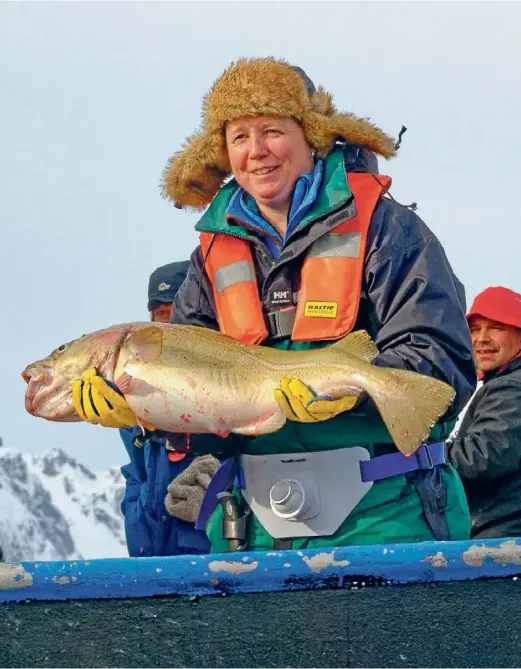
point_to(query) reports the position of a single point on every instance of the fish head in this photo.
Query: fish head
(49, 381)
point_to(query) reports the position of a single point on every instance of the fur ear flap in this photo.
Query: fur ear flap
(195, 173)
(319, 133)
(322, 132)
(322, 102)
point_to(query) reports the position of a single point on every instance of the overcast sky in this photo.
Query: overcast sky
(95, 97)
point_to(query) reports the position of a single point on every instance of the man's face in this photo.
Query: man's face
(161, 313)
(494, 343)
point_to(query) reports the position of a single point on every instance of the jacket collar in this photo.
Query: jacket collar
(511, 366)
(333, 193)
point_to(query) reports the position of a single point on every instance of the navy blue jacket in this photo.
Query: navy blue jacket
(150, 530)
(412, 303)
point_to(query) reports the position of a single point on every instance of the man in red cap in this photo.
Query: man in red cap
(487, 449)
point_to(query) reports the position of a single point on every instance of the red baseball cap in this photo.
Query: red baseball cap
(498, 304)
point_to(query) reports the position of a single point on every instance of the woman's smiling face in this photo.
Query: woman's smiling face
(267, 156)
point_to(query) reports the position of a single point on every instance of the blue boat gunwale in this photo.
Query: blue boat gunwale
(271, 571)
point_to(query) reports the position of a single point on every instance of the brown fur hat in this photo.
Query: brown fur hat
(259, 87)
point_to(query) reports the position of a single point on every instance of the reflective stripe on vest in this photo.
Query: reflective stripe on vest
(229, 266)
(229, 275)
(331, 275)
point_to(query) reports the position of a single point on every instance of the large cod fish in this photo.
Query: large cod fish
(182, 378)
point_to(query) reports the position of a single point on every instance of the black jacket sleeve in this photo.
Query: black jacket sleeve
(194, 304)
(417, 302)
(488, 443)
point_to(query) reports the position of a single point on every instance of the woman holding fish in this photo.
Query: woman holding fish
(299, 249)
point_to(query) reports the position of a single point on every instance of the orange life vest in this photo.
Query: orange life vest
(331, 276)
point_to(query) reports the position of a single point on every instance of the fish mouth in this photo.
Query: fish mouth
(42, 400)
(44, 403)
(36, 385)
(29, 403)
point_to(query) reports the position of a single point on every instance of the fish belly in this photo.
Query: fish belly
(194, 403)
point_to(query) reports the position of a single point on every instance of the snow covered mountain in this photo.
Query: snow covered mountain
(54, 508)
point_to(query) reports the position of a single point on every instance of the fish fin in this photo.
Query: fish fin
(145, 345)
(357, 343)
(410, 404)
(123, 383)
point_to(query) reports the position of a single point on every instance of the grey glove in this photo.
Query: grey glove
(187, 490)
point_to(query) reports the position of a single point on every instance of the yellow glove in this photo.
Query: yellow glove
(96, 402)
(299, 403)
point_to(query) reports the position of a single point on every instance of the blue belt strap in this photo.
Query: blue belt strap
(375, 469)
(394, 464)
(217, 484)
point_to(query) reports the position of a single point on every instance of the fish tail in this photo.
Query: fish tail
(410, 404)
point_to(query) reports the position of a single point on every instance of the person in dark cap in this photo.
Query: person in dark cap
(163, 285)
(486, 450)
(159, 480)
